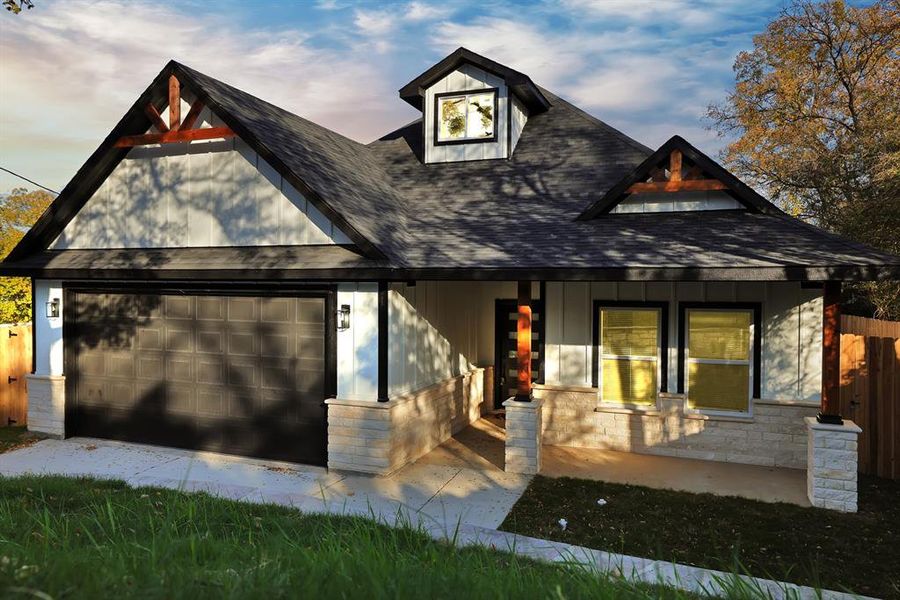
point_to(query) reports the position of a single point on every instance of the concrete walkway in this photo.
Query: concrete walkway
(441, 495)
(430, 494)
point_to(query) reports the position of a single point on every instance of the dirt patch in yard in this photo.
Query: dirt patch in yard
(13, 438)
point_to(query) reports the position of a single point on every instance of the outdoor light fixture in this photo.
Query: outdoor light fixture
(53, 309)
(344, 317)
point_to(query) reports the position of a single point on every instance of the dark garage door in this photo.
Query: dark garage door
(235, 374)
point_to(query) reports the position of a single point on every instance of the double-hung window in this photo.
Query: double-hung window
(629, 351)
(719, 359)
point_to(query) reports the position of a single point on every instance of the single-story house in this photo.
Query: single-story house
(223, 274)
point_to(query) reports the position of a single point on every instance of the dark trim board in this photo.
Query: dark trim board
(755, 307)
(34, 318)
(383, 273)
(663, 308)
(437, 98)
(327, 293)
(383, 341)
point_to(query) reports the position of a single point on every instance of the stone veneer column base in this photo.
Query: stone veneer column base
(523, 436)
(832, 464)
(47, 404)
(366, 436)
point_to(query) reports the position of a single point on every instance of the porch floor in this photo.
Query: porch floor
(481, 446)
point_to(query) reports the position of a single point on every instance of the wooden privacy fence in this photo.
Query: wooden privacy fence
(870, 390)
(15, 364)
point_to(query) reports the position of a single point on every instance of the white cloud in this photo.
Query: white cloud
(420, 11)
(374, 22)
(70, 71)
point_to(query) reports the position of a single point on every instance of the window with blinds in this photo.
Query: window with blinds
(629, 355)
(719, 350)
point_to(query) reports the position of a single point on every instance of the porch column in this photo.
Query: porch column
(524, 425)
(830, 408)
(831, 458)
(523, 344)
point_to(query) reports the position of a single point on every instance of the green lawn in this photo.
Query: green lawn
(858, 552)
(79, 538)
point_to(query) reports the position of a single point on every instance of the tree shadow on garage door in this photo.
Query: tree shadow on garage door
(234, 374)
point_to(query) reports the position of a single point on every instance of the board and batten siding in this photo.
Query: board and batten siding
(791, 367)
(681, 201)
(518, 119)
(48, 333)
(441, 329)
(466, 78)
(210, 193)
(357, 346)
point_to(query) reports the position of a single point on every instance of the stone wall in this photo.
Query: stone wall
(831, 478)
(381, 437)
(775, 435)
(47, 404)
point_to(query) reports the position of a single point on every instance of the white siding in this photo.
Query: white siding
(211, 193)
(676, 202)
(48, 333)
(519, 118)
(357, 347)
(791, 367)
(441, 329)
(467, 77)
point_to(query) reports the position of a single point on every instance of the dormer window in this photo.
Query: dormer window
(465, 117)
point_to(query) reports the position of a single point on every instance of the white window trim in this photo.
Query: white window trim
(688, 409)
(603, 403)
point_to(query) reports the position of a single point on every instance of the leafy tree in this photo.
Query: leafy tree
(815, 118)
(18, 211)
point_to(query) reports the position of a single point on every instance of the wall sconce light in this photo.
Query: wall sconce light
(344, 317)
(53, 309)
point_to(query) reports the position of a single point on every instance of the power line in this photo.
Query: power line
(29, 180)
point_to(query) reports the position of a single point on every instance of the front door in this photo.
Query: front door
(506, 319)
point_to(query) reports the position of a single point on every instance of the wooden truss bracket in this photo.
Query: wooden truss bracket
(677, 180)
(177, 130)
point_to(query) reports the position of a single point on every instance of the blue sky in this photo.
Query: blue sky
(69, 70)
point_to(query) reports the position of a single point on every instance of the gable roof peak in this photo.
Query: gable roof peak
(715, 177)
(519, 83)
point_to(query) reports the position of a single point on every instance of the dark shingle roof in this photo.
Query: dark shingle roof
(476, 219)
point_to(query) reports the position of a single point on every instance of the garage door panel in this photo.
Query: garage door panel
(180, 368)
(180, 338)
(179, 307)
(119, 364)
(311, 312)
(243, 309)
(276, 343)
(211, 401)
(149, 338)
(241, 375)
(210, 308)
(277, 310)
(243, 342)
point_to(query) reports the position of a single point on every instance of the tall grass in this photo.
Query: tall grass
(80, 538)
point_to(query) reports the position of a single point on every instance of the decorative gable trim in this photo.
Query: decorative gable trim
(667, 171)
(144, 114)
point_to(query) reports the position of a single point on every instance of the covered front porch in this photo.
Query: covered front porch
(723, 372)
(481, 446)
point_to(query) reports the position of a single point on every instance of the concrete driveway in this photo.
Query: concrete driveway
(433, 495)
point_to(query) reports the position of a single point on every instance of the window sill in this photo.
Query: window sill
(650, 411)
(731, 418)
